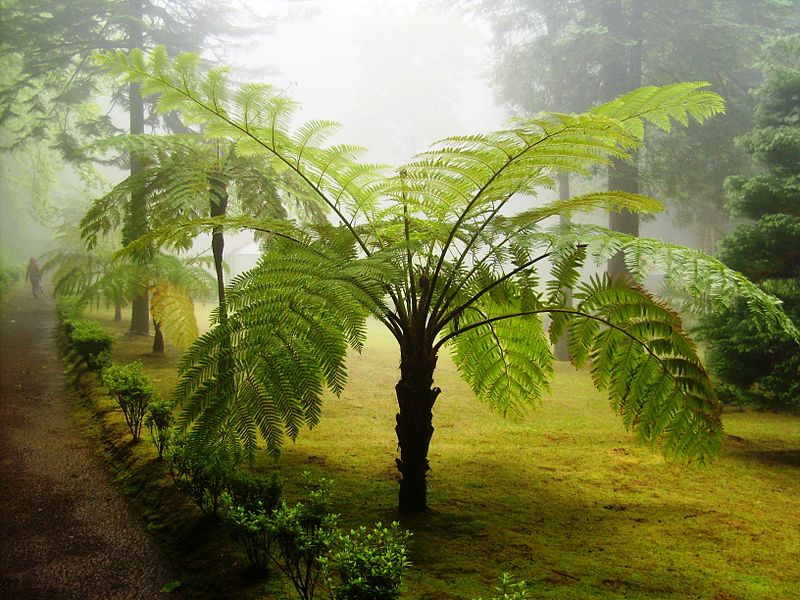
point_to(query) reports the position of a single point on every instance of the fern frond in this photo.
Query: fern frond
(649, 367)
(284, 342)
(172, 308)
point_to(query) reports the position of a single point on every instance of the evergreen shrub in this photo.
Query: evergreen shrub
(88, 339)
(159, 422)
(133, 391)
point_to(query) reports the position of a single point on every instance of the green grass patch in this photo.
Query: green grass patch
(562, 497)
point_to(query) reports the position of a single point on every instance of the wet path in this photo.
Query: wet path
(65, 531)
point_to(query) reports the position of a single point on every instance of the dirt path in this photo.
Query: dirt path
(65, 531)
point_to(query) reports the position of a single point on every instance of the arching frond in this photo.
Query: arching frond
(266, 366)
(506, 362)
(696, 282)
(639, 354)
(257, 120)
(173, 309)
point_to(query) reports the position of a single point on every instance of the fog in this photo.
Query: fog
(397, 74)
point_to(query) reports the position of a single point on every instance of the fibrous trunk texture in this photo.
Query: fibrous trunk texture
(415, 398)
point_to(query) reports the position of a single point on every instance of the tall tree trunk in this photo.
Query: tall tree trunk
(136, 222)
(622, 72)
(415, 398)
(117, 311)
(561, 349)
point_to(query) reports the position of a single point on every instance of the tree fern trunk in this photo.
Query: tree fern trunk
(158, 339)
(561, 348)
(415, 398)
(219, 206)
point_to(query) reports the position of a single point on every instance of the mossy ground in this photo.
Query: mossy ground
(562, 497)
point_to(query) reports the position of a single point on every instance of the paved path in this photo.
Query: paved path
(65, 531)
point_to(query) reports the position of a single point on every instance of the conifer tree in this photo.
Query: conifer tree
(753, 366)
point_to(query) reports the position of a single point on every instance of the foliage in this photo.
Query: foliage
(304, 542)
(436, 253)
(8, 277)
(133, 391)
(250, 529)
(45, 51)
(753, 366)
(254, 492)
(248, 506)
(68, 309)
(508, 590)
(302, 535)
(98, 277)
(554, 55)
(202, 476)
(370, 564)
(89, 340)
(159, 421)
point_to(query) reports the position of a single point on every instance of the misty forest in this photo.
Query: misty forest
(351, 299)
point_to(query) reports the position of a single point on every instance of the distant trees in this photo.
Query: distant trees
(590, 51)
(752, 365)
(46, 48)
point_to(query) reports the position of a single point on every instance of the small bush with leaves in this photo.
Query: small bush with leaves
(255, 493)
(159, 421)
(369, 564)
(251, 530)
(8, 277)
(508, 590)
(132, 390)
(69, 308)
(302, 537)
(248, 504)
(88, 340)
(200, 475)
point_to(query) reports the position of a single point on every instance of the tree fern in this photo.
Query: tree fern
(433, 252)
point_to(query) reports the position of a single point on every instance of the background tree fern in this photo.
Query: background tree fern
(440, 255)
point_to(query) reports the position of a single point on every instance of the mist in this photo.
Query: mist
(397, 74)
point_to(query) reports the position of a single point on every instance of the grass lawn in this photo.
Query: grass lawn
(562, 497)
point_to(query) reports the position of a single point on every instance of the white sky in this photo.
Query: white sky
(398, 74)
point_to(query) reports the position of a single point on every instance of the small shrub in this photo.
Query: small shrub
(69, 308)
(508, 590)
(255, 492)
(199, 475)
(8, 277)
(302, 536)
(370, 564)
(88, 340)
(305, 543)
(132, 389)
(249, 503)
(251, 530)
(159, 421)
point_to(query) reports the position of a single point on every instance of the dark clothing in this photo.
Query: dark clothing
(34, 275)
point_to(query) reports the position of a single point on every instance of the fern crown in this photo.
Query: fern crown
(437, 253)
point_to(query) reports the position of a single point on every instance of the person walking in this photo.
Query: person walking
(34, 275)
